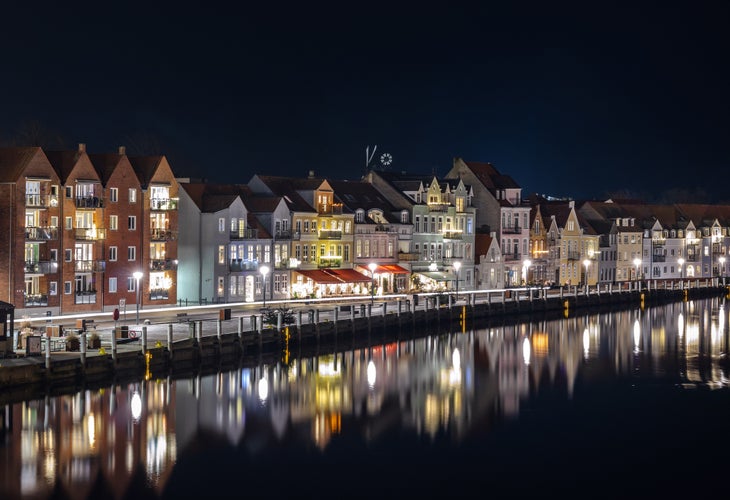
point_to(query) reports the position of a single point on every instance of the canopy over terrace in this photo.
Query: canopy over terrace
(433, 280)
(391, 278)
(329, 281)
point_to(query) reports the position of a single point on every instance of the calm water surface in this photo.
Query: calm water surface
(627, 404)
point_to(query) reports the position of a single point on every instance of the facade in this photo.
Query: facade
(489, 267)
(83, 225)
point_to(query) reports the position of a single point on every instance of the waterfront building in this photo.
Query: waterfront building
(489, 266)
(80, 226)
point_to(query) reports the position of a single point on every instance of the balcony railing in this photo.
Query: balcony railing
(41, 233)
(248, 233)
(452, 235)
(572, 255)
(41, 267)
(159, 294)
(240, 265)
(89, 266)
(330, 235)
(161, 204)
(85, 297)
(329, 262)
(89, 202)
(157, 234)
(512, 256)
(516, 229)
(90, 234)
(163, 264)
(718, 249)
(408, 257)
(438, 207)
(40, 200)
(659, 258)
(335, 209)
(35, 299)
(658, 242)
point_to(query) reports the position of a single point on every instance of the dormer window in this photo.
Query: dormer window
(404, 217)
(360, 215)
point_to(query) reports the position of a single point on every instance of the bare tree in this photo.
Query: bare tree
(34, 133)
(142, 144)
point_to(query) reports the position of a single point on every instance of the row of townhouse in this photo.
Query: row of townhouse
(81, 231)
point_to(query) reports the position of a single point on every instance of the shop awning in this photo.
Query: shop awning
(349, 275)
(319, 276)
(438, 276)
(392, 268)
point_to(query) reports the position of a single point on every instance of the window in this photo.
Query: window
(67, 287)
(131, 253)
(221, 254)
(112, 285)
(114, 195)
(67, 255)
(221, 225)
(53, 288)
(131, 284)
(69, 223)
(54, 255)
(69, 192)
(54, 220)
(112, 254)
(132, 195)
(132, 222)
(113, 222)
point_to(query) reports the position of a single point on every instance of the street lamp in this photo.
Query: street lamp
(372, 266)
(526, 269)
(680, 261)
(264, 270)
(137, 276)
(457, 266)
(586, 263)
(637, 263)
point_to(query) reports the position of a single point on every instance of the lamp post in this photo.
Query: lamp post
(457, 266)
(137, 276)
(722, 269)
(680, 261)
(526, 269)
(586, 263)
(264, 270)
(372, 266)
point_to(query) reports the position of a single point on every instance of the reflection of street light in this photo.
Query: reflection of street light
(372, 266)
(637, 263)
(264, 270)
(457, 266)
(680, 261)
(586, 263)
(137, 276)
(526, 268)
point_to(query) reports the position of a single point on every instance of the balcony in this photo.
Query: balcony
(41, 233)
(283, 235)
(159, 294)
(659, 258)
(324, 209)
(248, 233)
(512, 256)
(240, 265)
(330, 235)
(516, 229)
(90, 202)
(572, 255)
(163, 204)
(40, 201)
(35, 299)
(658, 242)
(163, 264)
(89, 266)
(718, 249)
(161, 235)
(326, 261)
(85, 297)
(452, 235)
(408, 257)
(41, 267)
(382, 228)
(90, 234)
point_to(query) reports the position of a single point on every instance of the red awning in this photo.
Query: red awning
(349, 275)
(319, 276)
(392, 268)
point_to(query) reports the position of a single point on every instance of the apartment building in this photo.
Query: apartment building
(80, 226)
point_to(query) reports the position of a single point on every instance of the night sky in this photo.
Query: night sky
(567, 98)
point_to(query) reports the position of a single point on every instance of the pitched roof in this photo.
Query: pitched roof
(63, 162)
(145, 167)
(489, 176)
(14, 160)
(105, 164)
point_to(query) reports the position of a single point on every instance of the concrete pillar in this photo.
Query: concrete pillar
(279, 320)
(169, 338)
(114, 344)
(48, 353)
(82, 338)
(218, 327)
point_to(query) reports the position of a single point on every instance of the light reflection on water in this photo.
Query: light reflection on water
(443, 387)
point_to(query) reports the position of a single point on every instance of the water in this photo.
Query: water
(626, 404)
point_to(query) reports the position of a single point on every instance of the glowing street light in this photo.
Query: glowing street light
(264, 270)
(137, 276)
(372, 266)
(457, 266)
(637, 263)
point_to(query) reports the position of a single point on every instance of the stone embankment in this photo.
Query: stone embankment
(155, 353)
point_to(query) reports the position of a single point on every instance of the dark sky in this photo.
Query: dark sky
(570, 99)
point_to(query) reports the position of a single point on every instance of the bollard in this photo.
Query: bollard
(191, 329)
(279, 320)
(240, 332)
(114, 344)
(218, 330)
(169, 338)
(48, 353)
(385, 308)
(199, 331)
(144, 339)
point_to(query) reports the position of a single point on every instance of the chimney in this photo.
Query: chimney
(122, 151)
(493, 235)
(311, 174)
(82, 147)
